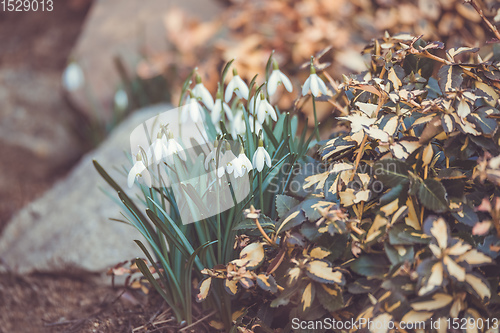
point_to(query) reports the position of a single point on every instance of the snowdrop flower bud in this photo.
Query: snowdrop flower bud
(276, 78)
(260, 157)
(202, 94)
(72, 77)
(121, 99)
(139, 171)
(314, 84)
(236, 85)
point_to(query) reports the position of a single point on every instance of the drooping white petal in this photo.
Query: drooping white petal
(314, 85)
(322, 86)
(228, 160)
(259, 158)
(185, 111)
(179, 149)
(246, 165)
(242, 90)
(267, 158)
(238, 86)
(195, 110)
(220, 171)
(216, 112)
(228, 111)
(173, 148)
(202, 93)
(286, 82)
(272, 83)
(210, 158)
(270, 111)
(305, 87)
(131, 177)
(232, 164)
(229, 91)
(156, 149)
(137, 170)
(238, 124)
(146, 176)
(275, 79)
(264, 109)
(261, 112)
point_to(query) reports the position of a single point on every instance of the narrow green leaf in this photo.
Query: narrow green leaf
(106, 176)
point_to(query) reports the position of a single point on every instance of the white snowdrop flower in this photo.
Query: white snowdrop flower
(260, 157)
(245, 163)
(121, 99)
(219, 106)
(264, 108)
(211, 159)
(202, 94)
(211, 156)
(314, 84)
(171, 148)
(231, 162)
(139, 171)
(72, 77)
(157, 148)
(238, 125)
(276, 78)
(192, 109)
(236, 85)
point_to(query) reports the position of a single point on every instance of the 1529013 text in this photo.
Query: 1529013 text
(27, 5)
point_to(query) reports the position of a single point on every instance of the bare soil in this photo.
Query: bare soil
(55, 303)
(39, 43)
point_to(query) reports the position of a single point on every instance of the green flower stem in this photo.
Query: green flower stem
(316, 127)
(219, 231)
(261, 194)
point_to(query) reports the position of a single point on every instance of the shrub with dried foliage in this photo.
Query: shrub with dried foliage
(397, 220)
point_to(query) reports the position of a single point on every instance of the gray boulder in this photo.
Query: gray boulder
(121, 28)
(68, 228)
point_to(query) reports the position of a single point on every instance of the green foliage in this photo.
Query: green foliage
(398, 219)
(180, 252)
